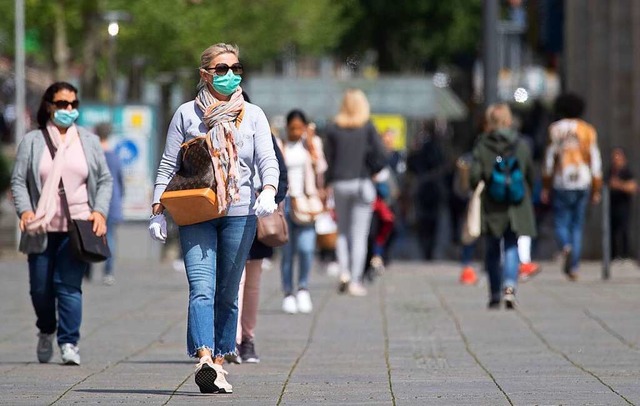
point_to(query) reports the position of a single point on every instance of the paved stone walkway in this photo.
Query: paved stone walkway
(419, 338)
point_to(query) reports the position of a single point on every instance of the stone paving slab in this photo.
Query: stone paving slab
(418, 338)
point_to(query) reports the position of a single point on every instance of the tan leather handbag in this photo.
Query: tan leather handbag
(190, 197)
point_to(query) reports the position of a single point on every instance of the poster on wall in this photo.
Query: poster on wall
(394, 126)
(132, 139)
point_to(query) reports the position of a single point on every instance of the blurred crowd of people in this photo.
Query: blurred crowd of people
(335, 198)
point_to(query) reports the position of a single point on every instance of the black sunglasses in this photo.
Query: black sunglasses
(62, 104)
(221, 69)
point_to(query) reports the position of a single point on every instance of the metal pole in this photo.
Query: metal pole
(490, 51)
(606, 233)
(20, 127)
(113, 76)
(20, 102)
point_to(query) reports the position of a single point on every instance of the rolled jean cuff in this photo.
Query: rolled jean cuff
(194, 353)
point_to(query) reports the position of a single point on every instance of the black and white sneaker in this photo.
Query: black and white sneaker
(233, 358)
(509, 298)
(248, 352)
(210, 377)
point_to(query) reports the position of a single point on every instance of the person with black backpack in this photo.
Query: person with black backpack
(504, 164)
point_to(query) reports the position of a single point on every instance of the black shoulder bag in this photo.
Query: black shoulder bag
(85, 244)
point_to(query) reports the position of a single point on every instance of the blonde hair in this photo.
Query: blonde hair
(354, 111)
(498, 116)
(212, 52)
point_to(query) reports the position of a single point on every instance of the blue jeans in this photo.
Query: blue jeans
(302, 241)
(214, 255)
(111, 240)
(467, 254)
(503, 275)
(569, 208)
(55, 282)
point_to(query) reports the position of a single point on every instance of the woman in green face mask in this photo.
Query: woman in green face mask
(222, 75)
(57, 152)
(215, 251)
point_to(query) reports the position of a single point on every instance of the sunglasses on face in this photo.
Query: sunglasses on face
(221, 69)
(62, 104)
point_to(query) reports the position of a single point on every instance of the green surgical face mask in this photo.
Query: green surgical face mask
(226, 84)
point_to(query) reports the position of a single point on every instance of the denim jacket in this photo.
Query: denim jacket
(26, 185)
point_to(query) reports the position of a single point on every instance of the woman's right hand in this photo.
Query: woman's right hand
(25, 218)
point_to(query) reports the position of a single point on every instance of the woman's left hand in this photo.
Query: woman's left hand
(266, 203)
(99, 223)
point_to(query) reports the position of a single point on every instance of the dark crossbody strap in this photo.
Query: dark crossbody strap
(61, 192)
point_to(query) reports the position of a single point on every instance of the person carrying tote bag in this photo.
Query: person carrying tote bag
(215, 250)
(249, 292)
(35, 182)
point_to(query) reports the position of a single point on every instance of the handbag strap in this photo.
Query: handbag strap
(61, 192)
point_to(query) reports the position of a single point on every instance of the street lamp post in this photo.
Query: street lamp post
(490, 51)
(113, 29)
(20, 102)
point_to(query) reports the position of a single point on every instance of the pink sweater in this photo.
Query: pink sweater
(74, 176)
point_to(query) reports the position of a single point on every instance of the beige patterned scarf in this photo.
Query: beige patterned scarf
(223, 119)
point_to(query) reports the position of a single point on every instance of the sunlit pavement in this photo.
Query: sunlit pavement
(418, 338)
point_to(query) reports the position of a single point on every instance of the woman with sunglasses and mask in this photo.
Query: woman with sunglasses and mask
(55, 275)
(215, 251)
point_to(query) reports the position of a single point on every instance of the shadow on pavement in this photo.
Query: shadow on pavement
(185, 362)
(141, 392)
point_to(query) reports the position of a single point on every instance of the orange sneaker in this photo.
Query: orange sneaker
(528, 271)
(468, 276)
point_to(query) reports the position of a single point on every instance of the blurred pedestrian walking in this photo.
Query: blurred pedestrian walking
(428, 165)
(354, 153)
(58, 152)
(249, 291)
(215, 251)
(303, 205)
(504, 163)
(385, 211)
(622, 188)
(115, 207)
(573, 168)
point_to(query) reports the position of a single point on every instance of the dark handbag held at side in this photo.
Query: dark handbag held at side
(85, 244)
(272, 229)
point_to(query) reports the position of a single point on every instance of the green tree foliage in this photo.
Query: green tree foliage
(409, 35)
(171, 34)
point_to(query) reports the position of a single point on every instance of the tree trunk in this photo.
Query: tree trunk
(90, 17)
(60, 45)
(136, 79)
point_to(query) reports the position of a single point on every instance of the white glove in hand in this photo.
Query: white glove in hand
(265, 203)
(158, 228)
